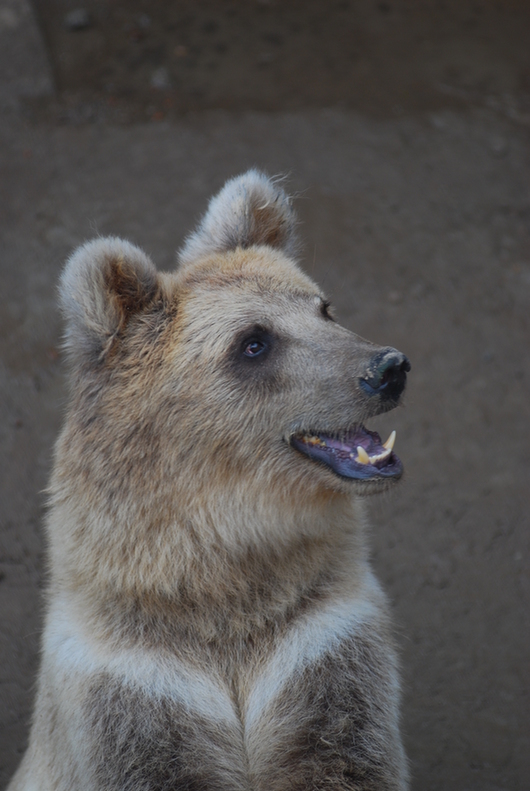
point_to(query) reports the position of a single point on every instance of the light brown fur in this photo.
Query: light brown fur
(196, 557)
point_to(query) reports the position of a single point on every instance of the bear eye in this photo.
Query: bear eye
(254, 347)
(256, 342)
(324, 310)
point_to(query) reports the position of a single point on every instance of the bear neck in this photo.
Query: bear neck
(219, 574)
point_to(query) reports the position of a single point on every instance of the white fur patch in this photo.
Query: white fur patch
(307, 641)
(72, 652)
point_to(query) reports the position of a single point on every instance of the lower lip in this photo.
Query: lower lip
(346, 467)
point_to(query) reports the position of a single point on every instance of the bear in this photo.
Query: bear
(212, 618)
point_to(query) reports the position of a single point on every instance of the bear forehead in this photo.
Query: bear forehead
(256, 271)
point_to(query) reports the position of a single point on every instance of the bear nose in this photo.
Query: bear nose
(386, 374)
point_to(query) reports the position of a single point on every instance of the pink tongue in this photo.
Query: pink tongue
(338, 445)
(369, 440)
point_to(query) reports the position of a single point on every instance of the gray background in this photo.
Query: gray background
(415, 215)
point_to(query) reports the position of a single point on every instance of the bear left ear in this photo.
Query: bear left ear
(250, 210)
(104, 283)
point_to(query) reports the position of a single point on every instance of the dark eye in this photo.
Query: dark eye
(254, 347)
(255, 342)
(324, 310)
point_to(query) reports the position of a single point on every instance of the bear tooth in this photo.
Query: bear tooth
(362, 455)
(312, 440)
(389, 444)
(380, 456)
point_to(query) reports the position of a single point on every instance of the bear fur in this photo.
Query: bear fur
(212, 618)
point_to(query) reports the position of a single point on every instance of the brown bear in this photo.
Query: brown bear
(213, 622)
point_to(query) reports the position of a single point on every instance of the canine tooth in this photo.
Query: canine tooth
(389, 444)
(380, 456)
(362, 455)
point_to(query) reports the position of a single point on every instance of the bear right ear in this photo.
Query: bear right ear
(103, 284)
(250, 210)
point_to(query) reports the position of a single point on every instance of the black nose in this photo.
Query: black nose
(386, 375)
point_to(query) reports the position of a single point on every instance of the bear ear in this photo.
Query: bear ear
(250, 210)
(103, 284)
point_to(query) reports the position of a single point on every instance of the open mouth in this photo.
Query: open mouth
(358, 453)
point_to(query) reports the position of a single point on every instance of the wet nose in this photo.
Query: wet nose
(386, 375)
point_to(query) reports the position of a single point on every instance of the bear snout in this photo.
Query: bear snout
(386, 375)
